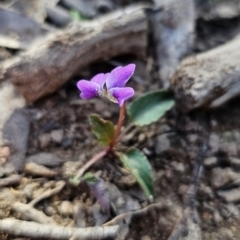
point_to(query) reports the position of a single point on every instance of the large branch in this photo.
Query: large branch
(48, 231)
(51, 63)
(209, 79)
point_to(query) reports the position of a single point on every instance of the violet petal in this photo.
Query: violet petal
(88, 89)
(122, 94)
(100, 79)
(119, 76)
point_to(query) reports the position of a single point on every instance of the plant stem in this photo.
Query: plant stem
(108, 149)
(119, 125)
(90, 163)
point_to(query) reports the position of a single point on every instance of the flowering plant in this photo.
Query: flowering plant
(144, 110)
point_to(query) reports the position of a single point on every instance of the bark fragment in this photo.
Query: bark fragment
(49, 65)
(208, 79)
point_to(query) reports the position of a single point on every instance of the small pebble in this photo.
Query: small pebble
(162, 144)
(222, 176)
(49, 210)
(217, 218)
(45, 159)
(178, 166)
(44, 140)
(210, 162)
(214, 143)
(5, 152)
(57, 135)
(230, 196)
(65, 209)
(79, 213)
(141, 137)
(235, 163)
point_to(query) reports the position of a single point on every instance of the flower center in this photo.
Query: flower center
(108, 95)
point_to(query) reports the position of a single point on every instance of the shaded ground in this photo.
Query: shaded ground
(172, 145)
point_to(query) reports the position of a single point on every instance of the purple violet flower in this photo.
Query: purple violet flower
(110, 85)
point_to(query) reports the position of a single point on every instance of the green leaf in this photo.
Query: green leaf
(89, 177)
(150, 107)
(137, 163)
(102, 129)
(77, 16)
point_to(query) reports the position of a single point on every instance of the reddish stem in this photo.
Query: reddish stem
(90, 163)
(119, 125)
(104, 152)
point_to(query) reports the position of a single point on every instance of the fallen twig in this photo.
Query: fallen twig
(30, 213)
(48, 193)
(9, 181)
(36, 230)
(137, 214)
(35, 169)
(55, 60)
(210, 78)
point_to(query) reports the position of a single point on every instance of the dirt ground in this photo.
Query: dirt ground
(173, 145)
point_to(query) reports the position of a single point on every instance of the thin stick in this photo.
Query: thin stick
(9, 181)
(119, 125)
(90, 163)
(36, 230)
(30, 213)
(48, 193)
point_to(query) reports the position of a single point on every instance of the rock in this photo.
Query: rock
(15, 135)
(79, 213)
(126, 203)
(211, 162)
(91, 9)
(113, 191)
(178, 166)
(235, 163)
(138, 194)
(221, 177)
(44, 140)
(230, 196)
(5, 152)
(120, 202)
(217, 218)
(206, 191)
(6, 169)
(162, 143)
(233, 210)
(57, 136)
(192, 138)
(49, 210)
(227, 144)
(45, 159)
(99, 216)
(214, 143)
(65, 209)
(58, 15)
(226, 233)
